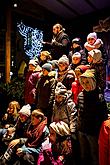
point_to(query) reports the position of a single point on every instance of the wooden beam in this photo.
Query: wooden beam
(8, 45)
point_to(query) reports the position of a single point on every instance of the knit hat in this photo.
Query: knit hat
(96, 54)
(60, 89)
(92, 35)
(76, 41)
(33, 62)
(82, 68)
(60, 128)
(90, 75)
(64, 60)
(25, 110)
(77, 54)
(47, 66)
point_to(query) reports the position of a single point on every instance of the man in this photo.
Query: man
(60, 42)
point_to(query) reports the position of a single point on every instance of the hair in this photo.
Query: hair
(15, 105)
(38, 113)
(47, 54)
(59, 26)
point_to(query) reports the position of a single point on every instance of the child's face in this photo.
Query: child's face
(44, 72)
(62, 67)
(22, 118)
(78, 73)
(85, 84)
(76, 60)
(91, 41)
(35, 120)
(90, 58)
(43, 57)
(52, 136)
(59, 98)
(75, 45)
(31, 67)
(10, 110)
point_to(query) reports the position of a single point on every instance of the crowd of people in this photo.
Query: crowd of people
(64, 119)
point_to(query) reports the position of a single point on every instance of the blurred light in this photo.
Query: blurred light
(15, 5)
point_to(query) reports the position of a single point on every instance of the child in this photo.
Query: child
(9, 119)
(95, 43)
(92, 111)
(76, 47)
(76, 86)
(31, 78)
(44, 57)
(61, 149)
(76, 60)
(96, 62)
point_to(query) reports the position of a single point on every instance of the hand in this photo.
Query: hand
(19, 151)
(43, 42)
(10, 130)
(53, 40)
(14, 143)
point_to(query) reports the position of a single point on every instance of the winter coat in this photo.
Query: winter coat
(92, 111)
(30, 87)
(60, 46)
(52, 156)
(66, 112)
(104, 143)
(76, 89)
(67, 78)
(100, 74)
(45, 92)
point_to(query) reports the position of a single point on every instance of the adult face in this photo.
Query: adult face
(56, 29)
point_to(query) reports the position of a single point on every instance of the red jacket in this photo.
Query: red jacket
(76, 89)
(104, 143)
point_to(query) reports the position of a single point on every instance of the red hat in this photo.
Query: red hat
(82, 68)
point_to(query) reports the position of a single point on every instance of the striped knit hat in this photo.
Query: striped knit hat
(60, 128)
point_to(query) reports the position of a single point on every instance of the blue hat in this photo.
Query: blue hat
(47, 66)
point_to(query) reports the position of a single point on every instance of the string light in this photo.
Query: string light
(32, 40)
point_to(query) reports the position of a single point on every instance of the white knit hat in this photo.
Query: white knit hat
(92, 35)
(33, 62)
(96, 54)
(77, 54)
(60, 128)
(25, 110)
(64, 60)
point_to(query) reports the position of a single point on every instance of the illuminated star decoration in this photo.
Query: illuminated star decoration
(32, 40)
